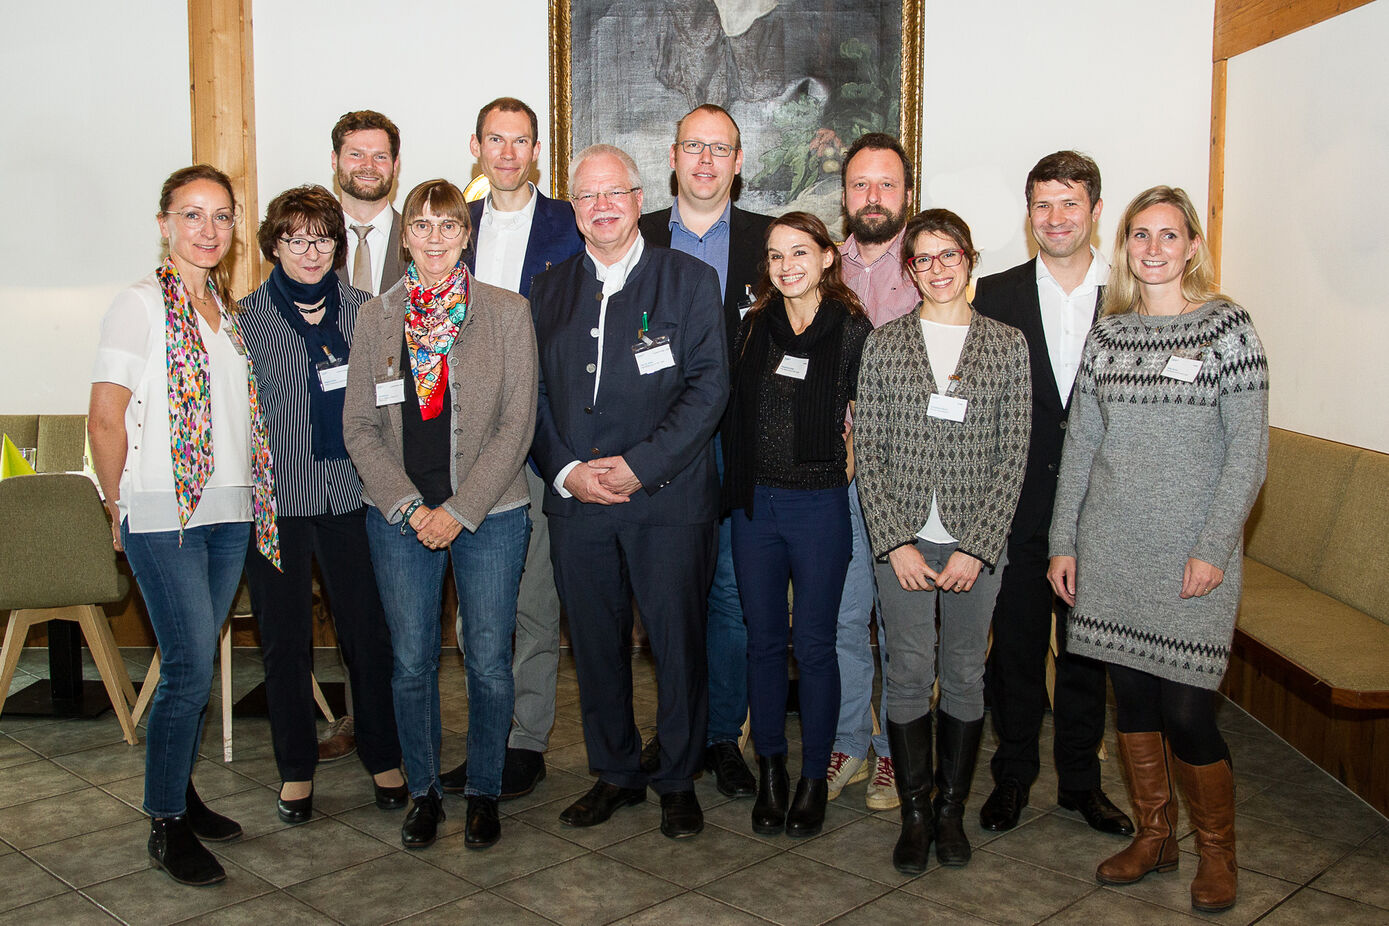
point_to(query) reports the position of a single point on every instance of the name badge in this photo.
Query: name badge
(946, 407)
(332, 377)
(1184, 369)
(746, 303)
(390, 393)
(653, 354)
(794, 367)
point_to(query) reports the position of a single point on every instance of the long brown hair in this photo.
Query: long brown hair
(832, 285)
(1121, 294)
(220, 276)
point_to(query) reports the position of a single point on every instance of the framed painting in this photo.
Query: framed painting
(802, 78)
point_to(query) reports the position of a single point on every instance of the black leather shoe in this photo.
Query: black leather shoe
(209, 825)
(391, 798)
(773, 787)
(1002, 810)
(484, 827)
(175, 848)
(456, 779)
(1099, 811)
(524, 769)
(680, 815)
(296, 811)
(599, 803)
(421, 825)
(731, 774)
(807, 813)
(651, 755)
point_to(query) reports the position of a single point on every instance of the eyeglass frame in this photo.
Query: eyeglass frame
(316, 242)
(932, 259)
(189, 226)
(616, 196)
(696, 147)
(438, 224)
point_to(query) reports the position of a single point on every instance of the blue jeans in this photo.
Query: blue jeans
(188, 589)
(855, 649)
(726, 639)
(800, 537)
(486, 573)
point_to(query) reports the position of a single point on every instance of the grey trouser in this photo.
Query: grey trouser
(535, 663)
(910, 620)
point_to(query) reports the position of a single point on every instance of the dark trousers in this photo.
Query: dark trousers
(802, 538)
(283, 604)
(601, 564)
(1015, 677)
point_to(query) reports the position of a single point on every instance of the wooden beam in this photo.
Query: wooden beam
(1215, 221)
(1244, 24)
(222, 97)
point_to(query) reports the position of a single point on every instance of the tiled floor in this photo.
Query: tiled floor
(72, 844)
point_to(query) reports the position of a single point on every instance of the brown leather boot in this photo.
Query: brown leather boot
(1148, 770)
(1210, 802)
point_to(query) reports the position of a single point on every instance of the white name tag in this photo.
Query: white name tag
(743, 311)
(334, 378)
(949, 408)
(794, 367)
(391, 393)
(655, 358)
(1184, 369)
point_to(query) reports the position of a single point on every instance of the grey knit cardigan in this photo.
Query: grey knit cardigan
(974, 467)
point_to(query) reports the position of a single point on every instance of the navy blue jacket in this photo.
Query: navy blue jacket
(662, 422)
(554, 238)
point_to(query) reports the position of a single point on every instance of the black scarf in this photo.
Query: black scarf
(325, 408)
(818, 424)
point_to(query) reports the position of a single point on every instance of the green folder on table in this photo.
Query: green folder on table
(12, 462)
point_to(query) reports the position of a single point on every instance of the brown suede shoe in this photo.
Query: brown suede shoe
(339, 742)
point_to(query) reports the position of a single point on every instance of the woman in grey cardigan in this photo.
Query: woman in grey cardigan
(941, 432)
(439, 416)
(1164, 454)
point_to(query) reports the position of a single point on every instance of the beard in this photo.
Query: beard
(876, 229)
(369, 191)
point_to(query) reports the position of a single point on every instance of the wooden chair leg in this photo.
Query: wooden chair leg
(226, 649)
(108, 662)
(15, 635)
(320, 700)
(147, 688)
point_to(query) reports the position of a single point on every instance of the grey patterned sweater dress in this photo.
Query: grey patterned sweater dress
(1154, 471)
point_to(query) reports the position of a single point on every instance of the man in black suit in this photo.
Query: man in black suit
(518, 232)
(707, 158)
(633, 382)
(1053, 299)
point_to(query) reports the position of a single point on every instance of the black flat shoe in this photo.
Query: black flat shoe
(484, 827)
(598, 804)
(1002, 810)
(455, 779)
(731, 774)
(807, 814)
(296, 811)
(421, 825)
(391, 798)
(524, 769)
(209, 825)
(175, 849)
(1098, 810)
(680, 815)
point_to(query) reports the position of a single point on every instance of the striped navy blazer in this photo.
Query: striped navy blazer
(304, 487)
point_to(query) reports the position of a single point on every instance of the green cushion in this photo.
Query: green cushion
(62, 439)
(1302, 495)
(55, 549)
(1355, 566)
(22, 429)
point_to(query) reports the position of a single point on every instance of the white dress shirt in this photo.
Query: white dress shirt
(1066, 318)
(378, 239)
(502, 238)
(943, 346)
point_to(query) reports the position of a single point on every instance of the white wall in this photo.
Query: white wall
(92, 128)
(1306, 201)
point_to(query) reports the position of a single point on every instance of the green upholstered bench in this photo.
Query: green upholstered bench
(60, 439)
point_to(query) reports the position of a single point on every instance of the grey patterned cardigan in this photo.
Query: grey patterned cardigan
(974, 467)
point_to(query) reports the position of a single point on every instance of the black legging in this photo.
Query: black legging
(1185, 713)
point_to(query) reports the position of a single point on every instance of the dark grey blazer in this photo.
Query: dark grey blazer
(394, 268)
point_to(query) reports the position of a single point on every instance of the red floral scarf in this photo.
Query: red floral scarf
(436, 312)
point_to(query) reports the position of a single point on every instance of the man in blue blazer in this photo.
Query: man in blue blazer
(517, 233)
(633, 382)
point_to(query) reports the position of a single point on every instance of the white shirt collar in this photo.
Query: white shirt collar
(1096, 275)
(614, 277)
(523, 216)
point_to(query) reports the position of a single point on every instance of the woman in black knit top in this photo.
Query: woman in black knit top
(795, 373)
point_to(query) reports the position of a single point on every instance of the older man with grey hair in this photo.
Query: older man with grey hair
(633, 381)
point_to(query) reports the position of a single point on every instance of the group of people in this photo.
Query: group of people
(582, 406)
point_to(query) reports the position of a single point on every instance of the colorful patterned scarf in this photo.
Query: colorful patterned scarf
(436, 312)
(190, 415)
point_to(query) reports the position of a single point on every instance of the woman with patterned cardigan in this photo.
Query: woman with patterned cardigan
(941, 433)
(1165, 452)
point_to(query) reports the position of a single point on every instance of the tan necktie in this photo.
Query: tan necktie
(361, 264)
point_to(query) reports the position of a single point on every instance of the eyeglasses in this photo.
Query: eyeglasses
(615, 196)
(719, 149)
(192, 219)
(921, 263)
(449, 228)
(301, 245)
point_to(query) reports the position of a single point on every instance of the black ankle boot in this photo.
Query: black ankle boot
(807, 813)
(911, 761)
(957, 744)
(773, 787)
(175, 848)
(209, 825)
